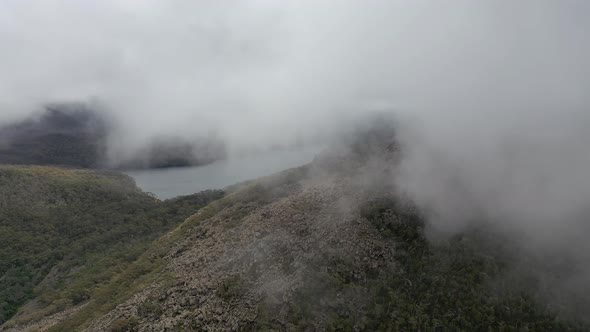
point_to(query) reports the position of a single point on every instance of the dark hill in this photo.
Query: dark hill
(70, 135)
(166, 151)
(76, 135)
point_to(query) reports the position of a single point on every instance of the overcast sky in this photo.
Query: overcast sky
(255, 71)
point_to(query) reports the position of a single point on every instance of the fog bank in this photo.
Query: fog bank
(492, 95)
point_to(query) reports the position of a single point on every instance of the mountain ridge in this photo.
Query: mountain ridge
(328, 246)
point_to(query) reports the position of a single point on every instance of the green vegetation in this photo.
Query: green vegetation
(148, 268)
(230, 288)
(54, 149)
(66, 233)
(92, 240)
(455, 285)
(447, 286)
(124, 325)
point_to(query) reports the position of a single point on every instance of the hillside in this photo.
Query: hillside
(64, 231)
(326, 246)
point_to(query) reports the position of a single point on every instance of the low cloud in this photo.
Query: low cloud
(492, 95)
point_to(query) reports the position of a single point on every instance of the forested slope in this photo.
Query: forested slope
(70, 228)
(326, 246)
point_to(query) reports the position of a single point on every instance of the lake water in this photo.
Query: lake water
(172, 182)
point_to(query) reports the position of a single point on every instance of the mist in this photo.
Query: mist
(491, 96)
(255, 72)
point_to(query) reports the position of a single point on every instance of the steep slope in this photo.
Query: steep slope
(64, 231)
(321, 247)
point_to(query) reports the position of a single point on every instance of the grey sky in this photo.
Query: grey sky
(256, 71)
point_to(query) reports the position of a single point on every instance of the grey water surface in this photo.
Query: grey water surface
(172, 182)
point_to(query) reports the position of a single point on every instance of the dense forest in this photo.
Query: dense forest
(64, 231)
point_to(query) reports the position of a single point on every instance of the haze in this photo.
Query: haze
(493, 95)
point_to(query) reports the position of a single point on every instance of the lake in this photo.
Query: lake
(171, 182)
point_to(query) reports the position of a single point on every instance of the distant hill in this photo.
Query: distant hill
(323, 247)
(166, 151)
(70, 135)
(76, 135)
